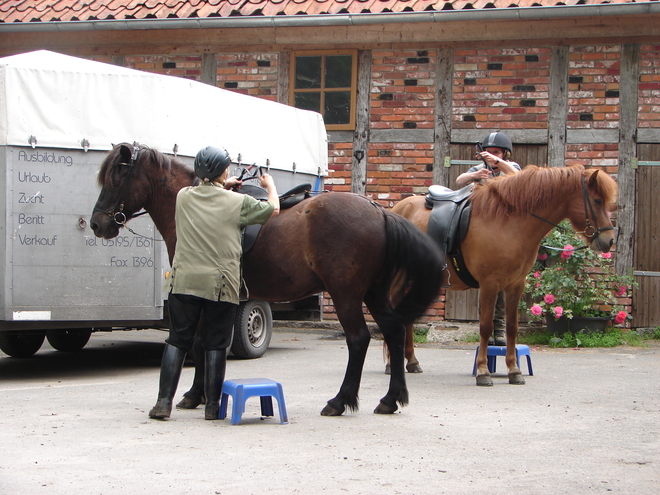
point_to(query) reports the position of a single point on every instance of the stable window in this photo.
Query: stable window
(326, 83)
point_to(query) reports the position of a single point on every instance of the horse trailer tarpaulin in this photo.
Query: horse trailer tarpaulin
(59, 115)
(57, 101)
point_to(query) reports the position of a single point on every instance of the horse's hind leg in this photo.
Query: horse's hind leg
(412, 365)
(357, 340)
(515, 375)
(393, 332)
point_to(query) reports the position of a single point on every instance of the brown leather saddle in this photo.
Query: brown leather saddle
(448, 224)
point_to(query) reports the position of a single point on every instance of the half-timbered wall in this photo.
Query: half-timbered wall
(517, 90)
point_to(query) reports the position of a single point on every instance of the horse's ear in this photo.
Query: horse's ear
(125, 153)
(593, 180)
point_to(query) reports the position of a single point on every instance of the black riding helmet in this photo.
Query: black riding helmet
(497, 140)
(211, 162)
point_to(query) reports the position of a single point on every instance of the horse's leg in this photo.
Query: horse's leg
(195, 396)
(413, 365)
(512, 299)
(357, 340)
(487, 298)
(379, 305)
(393, 333)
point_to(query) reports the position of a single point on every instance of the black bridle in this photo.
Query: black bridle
(117, 211)
(590, 231)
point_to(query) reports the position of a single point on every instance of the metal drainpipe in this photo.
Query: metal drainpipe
(524, 13)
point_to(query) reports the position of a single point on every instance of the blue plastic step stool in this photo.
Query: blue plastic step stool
(496, 350)
(241, 390)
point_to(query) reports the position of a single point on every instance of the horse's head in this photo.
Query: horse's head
(124, 189)
(590, 215)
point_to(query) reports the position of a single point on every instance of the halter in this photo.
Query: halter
(117, 212)
(590, 231)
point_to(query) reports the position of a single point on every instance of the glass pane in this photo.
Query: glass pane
(308, 72)
(338, 70)
(337, 107)
(308, 101)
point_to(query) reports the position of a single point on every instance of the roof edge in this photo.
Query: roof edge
(513, 13)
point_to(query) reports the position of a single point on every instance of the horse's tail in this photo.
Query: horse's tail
(414, 264)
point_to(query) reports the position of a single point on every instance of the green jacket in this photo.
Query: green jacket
(209, 221)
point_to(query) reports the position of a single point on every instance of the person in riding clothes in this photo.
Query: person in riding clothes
(205, 279)
(496, 154)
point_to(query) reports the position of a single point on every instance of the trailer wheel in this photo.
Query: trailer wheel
(253, 329)
(21, 344)
(68, 340)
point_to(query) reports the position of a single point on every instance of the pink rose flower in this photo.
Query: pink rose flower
(607, 256)
(537, 274)
(567, 252)
(558, 311)
(622, 291)
(536, 310)
(620, 317)
(538, 284)
(549, 299)
(542, 257)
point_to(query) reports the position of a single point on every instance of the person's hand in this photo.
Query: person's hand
(266, 181)
(489, 158)
(232, 182)
(483, 173)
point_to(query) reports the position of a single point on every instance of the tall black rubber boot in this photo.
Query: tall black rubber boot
(214, 377)
(170, 371)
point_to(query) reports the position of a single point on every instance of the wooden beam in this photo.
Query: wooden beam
(283, 74)
(362, 122)
(209, 68)
(444, 77)
(494, 33)
(626, 176)
(558, 106)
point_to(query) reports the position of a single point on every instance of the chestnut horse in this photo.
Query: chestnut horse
(341, 243)
(510, 217)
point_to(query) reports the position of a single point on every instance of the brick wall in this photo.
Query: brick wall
(501, 88)
(649, 86)
(253, 74)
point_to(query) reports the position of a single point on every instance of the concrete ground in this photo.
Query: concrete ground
(588, 421)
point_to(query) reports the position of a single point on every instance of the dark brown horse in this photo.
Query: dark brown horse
(510, 217)
(336, 242)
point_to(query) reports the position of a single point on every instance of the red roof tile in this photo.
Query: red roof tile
(67, 10)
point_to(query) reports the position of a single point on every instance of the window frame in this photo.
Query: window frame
(323, 90)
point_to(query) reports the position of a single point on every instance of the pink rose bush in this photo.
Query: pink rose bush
(568, 280)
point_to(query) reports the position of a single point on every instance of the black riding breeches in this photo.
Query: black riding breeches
(215, 320)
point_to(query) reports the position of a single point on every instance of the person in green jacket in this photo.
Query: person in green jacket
(205, 279)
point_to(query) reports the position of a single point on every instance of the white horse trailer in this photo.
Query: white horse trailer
(59, 116)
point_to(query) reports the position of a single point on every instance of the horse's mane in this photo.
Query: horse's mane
(534, 187)
(164, 163)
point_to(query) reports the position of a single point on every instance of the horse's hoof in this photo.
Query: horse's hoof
(383, 408)
(484, 381)
(189, 402)
(330, 410)
(516, 379)
(388, 369)
(414, 368)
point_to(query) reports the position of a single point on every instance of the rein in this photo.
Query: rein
(590, 231)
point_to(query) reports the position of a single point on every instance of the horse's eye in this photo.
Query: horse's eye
(598, 201)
